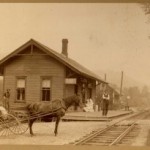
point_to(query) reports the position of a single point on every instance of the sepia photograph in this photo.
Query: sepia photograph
(75, 74)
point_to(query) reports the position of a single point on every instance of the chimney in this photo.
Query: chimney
(65, 47)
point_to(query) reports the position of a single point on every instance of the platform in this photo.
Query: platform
(95, 116)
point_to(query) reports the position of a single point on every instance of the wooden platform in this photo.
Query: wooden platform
(94, 116)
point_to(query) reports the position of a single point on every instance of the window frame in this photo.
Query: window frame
(16, 90)
(41, 88)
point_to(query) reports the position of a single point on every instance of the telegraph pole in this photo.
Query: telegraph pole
(105, 77)
(121, 84)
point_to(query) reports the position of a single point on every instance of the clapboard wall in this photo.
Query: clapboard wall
(33, 68)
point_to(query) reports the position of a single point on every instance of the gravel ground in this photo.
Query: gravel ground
(67, 132)
(143, 137)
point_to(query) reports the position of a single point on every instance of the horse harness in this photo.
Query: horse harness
(53, 111)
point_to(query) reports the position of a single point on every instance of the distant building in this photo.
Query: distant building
(36, 73)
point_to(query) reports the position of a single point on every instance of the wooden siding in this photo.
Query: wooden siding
(34, 67)
(70, 90)
(34, 64)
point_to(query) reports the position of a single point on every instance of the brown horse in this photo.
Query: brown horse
(54, 109)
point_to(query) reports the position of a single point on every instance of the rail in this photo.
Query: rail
(86, 140)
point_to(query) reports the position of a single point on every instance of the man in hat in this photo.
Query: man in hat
(105, 100)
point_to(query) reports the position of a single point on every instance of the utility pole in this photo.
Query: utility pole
(121, 84)
(105, 77)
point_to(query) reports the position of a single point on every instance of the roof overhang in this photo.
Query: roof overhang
(61, 58)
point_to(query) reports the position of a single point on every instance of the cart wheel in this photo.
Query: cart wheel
(17, 126)
(4, 128)
(12, 125)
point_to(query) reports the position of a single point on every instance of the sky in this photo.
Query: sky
(102, 36)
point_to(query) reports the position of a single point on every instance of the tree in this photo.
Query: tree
(145, 96)
(134, 94)
(145, 92)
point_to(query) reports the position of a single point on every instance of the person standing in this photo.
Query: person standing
(99, 102)
(105, 98)
(6, 99)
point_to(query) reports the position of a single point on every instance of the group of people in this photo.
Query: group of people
(89, 105)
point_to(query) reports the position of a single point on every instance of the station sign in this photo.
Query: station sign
(70, 81)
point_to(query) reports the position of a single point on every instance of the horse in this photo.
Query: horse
(54, 109)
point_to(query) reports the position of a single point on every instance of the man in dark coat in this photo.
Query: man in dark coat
(105, 99)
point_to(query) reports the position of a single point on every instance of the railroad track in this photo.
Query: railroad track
(111, 135)
(121, 132)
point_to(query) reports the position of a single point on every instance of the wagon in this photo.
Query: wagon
(17, 122)
(11, 124)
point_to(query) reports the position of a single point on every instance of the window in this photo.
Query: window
(20, 89)
(46, 89)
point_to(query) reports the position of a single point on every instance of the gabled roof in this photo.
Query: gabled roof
(70, 63)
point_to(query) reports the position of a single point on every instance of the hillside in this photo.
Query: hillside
(115, 78)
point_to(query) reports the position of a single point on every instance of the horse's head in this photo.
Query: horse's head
(74, 100)
(78, 101)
